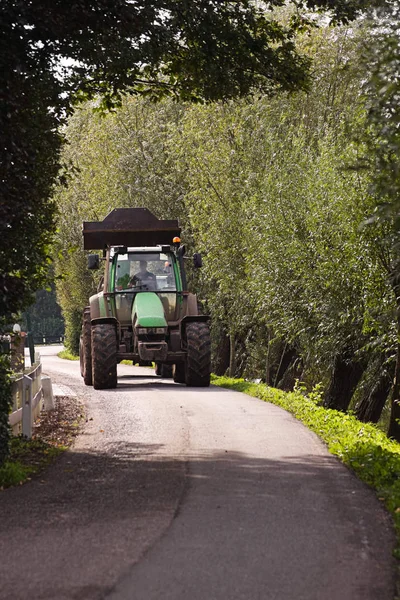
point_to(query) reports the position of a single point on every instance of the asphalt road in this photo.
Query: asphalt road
(173, 493)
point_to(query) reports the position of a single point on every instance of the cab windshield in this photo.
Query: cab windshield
(144, 272)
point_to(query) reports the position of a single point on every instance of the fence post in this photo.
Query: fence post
(47, 393)
(27, 407)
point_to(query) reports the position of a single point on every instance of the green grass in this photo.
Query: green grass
(66, 354)
(362, 447)
(27, 457)
(130, 363)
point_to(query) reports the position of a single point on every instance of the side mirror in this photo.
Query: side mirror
(197, 260)
(93, 261)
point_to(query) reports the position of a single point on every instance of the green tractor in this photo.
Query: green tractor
(142, 311)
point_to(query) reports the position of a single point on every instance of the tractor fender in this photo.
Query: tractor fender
(192, 319)
(191, 305)
(102, 320)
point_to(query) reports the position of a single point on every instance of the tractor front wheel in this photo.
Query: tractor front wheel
(104, 356)
(198, 363)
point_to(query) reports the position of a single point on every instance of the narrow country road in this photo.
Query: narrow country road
(175, 493)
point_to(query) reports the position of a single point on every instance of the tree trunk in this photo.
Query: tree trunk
(221, 354)
(267, 362)
(292, 373)
(232, 355)
(289, 356)
(370, 408)
(346, 375)
(394, 424)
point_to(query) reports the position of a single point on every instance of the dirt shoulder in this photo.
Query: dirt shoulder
(53, 432)
(61, 425)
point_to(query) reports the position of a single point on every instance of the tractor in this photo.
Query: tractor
(142, 311)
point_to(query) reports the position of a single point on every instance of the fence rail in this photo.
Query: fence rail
(27, 397)
(46, 339)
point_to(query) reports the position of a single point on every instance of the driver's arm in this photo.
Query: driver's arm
(134, 281)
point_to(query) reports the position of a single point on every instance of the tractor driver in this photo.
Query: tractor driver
(143, 278)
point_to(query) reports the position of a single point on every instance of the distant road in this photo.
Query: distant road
(175, 493)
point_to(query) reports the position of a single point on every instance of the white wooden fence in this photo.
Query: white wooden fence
(27, 395)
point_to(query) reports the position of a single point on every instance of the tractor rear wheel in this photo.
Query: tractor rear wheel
(104, 356)
(198, 363)
(179, 373)
(81, 355)
(85, 350)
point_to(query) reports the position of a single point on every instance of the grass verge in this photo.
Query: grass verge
(67, 355)
(130, 363)
(361, 446)
(27, 457)
(53, 433)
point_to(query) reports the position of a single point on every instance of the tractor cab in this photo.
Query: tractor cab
(140, 270)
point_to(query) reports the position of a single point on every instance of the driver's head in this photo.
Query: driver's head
(143, 266)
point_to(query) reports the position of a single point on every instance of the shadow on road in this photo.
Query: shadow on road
(137, 382)
(102, 502)
(129, 478)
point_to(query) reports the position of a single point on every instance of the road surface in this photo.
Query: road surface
(173, 493)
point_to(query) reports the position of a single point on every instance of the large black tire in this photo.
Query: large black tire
(198, 362)
(104, 356)
(81, 359)
(85, 350)
(179, 373)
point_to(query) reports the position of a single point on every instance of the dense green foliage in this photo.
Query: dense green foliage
(66, 355)
(382, 158)
(5, 393)
(362, 447)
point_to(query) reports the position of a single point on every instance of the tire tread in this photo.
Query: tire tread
(198, 364)
(104, 356)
